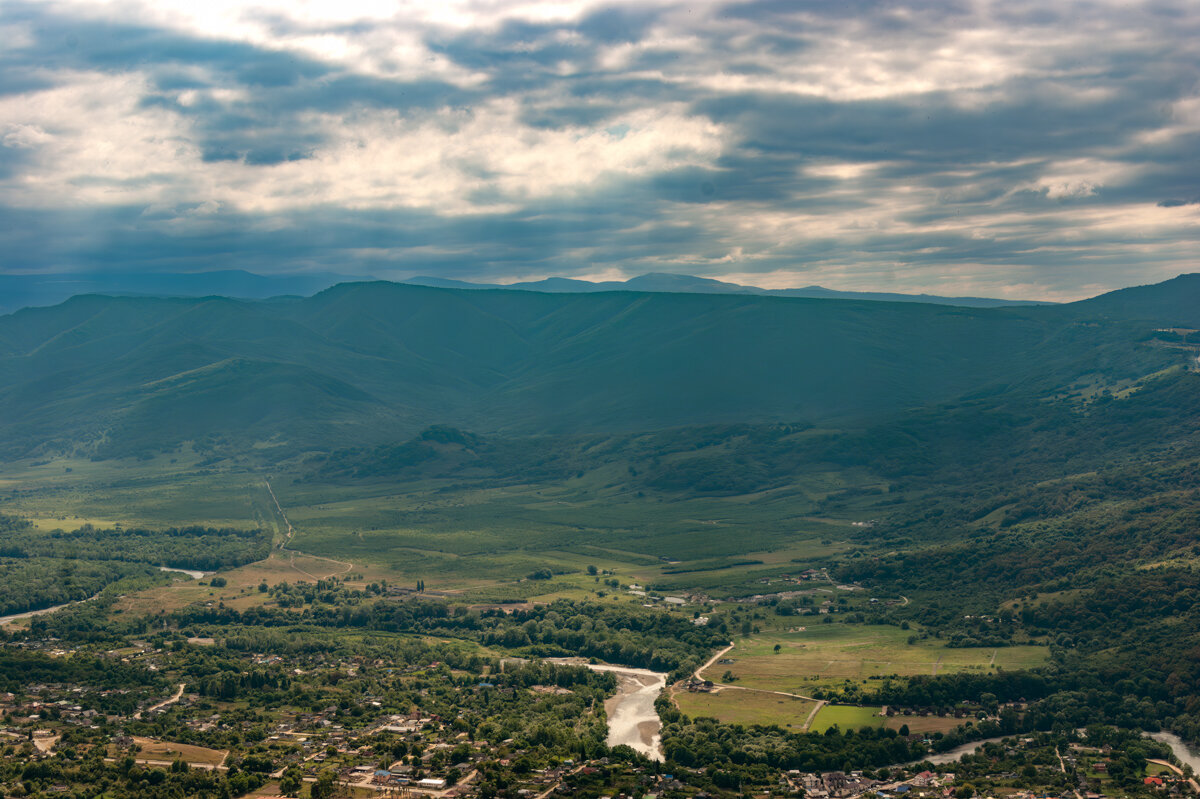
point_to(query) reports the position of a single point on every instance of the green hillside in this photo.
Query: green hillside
(374, 363)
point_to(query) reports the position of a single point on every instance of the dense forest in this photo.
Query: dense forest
(35, 583)
(44, 569)
(193, 547)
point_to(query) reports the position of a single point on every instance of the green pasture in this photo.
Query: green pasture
(470, 536)
(159, 492)
(455, 533)
(733, 706)
(828, 655)
(846, 717)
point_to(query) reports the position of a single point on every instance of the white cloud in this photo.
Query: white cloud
(23, 137)
(104, 148)
(111, 149)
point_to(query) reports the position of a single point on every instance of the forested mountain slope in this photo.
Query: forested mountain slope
(373, 362)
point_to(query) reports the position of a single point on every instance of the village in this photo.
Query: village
(270, 708)
(425, 754)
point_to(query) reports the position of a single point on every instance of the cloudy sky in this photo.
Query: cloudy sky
(1023, 149)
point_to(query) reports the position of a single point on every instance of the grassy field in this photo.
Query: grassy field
(827, 655)
(160, 492)
(453, 536)
(241, 589)
(507, 532)
(734, 706)
(924, 723)
(740, 706)
(152, 749)
(846, 717)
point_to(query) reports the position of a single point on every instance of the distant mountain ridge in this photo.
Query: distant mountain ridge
(39, 290)
(688, 284)
(364, 363)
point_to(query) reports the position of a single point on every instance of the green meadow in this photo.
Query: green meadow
(830, 655)
(471, 535)
(733, 706)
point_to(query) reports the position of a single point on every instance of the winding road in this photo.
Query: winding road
(175, 697)
(1178, 772)
(820, 703)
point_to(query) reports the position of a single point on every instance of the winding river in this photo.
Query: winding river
(28, 614)
(632, 719)
(951, 755)
(1184, 753)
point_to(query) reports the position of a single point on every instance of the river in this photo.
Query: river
(195, 575)
(1183, 752)
(632, 719)
(951, 755)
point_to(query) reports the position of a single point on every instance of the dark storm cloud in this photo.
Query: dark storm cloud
(524, 45)
(262, 129)
(66, 42)
(862, 135)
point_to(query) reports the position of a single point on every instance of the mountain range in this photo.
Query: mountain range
(24, 291)
(688, 284)
(365, 362)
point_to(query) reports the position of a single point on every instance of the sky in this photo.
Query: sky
(1012, 149)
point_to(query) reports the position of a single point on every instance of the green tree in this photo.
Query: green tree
(325, 787)
(289, 783)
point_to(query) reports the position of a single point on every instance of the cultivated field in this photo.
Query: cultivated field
(828, 655)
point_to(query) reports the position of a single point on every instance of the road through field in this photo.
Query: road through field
(713, 660)
(287, 539)
(726, 686)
